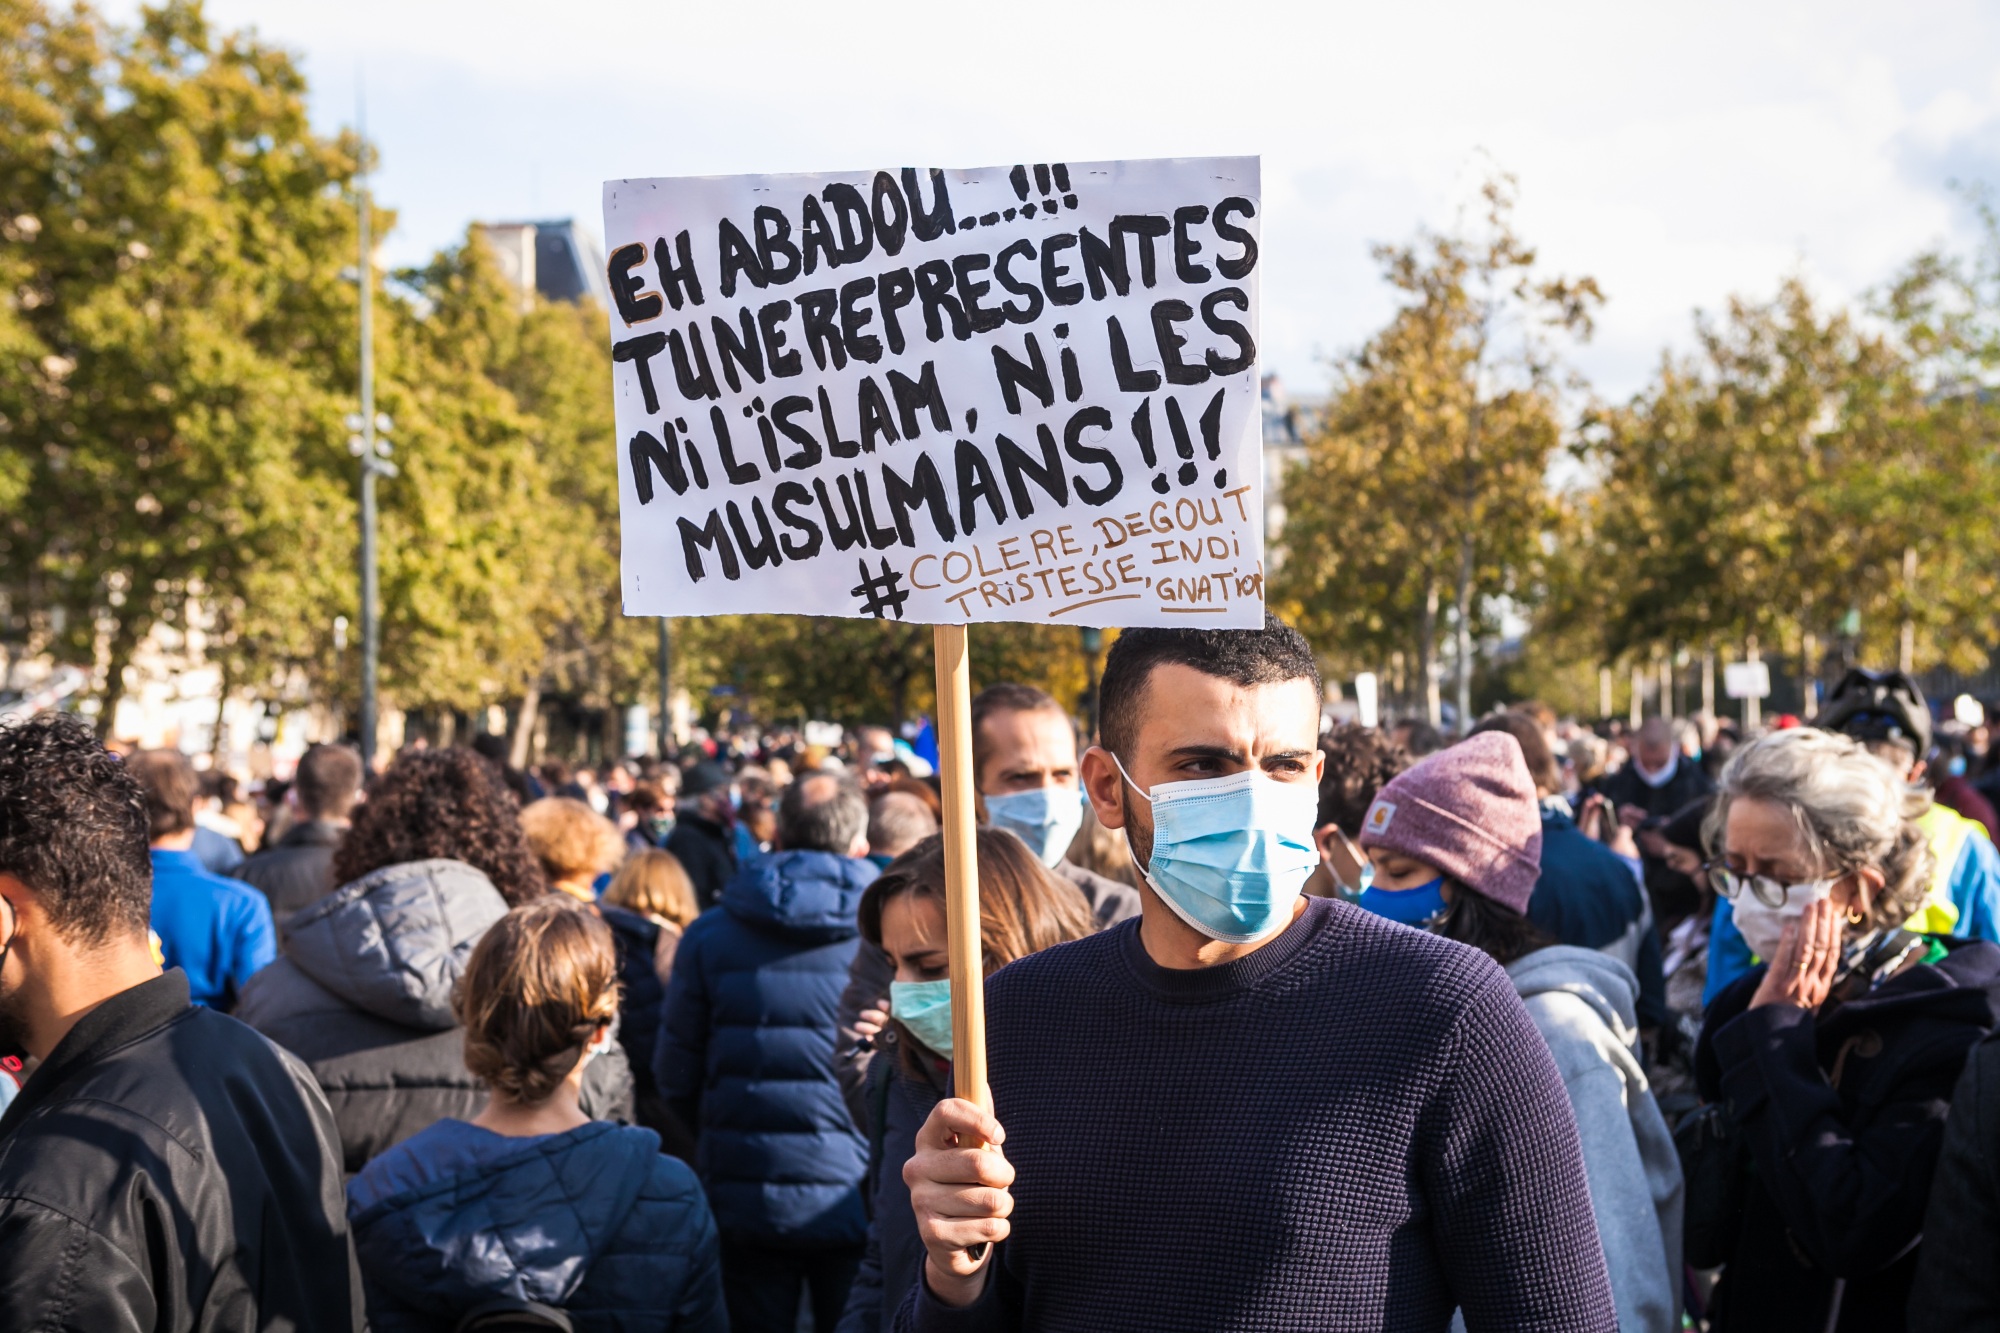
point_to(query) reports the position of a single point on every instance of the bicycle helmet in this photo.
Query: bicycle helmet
(1878, 706)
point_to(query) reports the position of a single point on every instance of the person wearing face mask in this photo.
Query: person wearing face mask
(1247, 1108)
(1022, 909)
(1025, 771)
(531, 1202)
(1456, 842)
(1833, 1065)
(1886, 713)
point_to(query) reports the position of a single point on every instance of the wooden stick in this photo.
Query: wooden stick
(961, 868)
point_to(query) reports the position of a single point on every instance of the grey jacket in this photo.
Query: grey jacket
(362, 994)
(1583, 1004)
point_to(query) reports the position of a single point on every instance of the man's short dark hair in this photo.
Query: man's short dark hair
(171, 785)
(1006, 697)
(1274, 653)
(73, 828)
(1359, 762)
(328, 781)
(822, 812)
(1419, 737)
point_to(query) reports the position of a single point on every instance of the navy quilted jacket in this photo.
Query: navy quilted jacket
(594, 1222)
(746, 1050)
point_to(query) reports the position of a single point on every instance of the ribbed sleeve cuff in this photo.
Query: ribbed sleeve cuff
(925, 1313)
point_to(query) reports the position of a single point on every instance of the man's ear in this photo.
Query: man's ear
(1101, 782)
(1323, 839)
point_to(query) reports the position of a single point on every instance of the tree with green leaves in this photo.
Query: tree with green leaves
(1422, 501)
(175, 353)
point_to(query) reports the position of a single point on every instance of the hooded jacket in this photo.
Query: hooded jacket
(362, 994)
(746, 1051)
(1843, 1115)
(1584, 1005)
(594, 1222)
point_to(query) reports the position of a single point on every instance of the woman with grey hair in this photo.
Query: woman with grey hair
(1832, 1066)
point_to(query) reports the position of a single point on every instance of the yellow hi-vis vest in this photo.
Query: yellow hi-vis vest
(1947, 830)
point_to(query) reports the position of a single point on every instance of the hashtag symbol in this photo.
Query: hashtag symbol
(881, 592)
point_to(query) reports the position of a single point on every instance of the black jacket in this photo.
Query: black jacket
(362, 994)
(1843, 1117)
(895, 1254)
(707, 851)
(298, 872)
(168, 1169)
(1958, 1280)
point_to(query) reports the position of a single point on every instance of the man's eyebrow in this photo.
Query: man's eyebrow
(1206, 752)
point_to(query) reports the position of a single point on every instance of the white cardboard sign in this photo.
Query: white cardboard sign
(1747, 680)
(1011, 393)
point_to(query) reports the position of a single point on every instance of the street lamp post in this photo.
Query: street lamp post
(368, 442)
(666, 698)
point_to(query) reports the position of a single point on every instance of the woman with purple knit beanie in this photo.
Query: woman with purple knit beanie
(1455, 844)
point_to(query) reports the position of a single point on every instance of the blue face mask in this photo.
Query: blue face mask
(1412, 907)
(1046, 818)
(1955, 766)
(1230, 854)
(924, 1007)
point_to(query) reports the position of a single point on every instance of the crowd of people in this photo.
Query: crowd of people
(1290, 1024)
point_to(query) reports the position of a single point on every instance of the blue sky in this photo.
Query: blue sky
(1678, 153)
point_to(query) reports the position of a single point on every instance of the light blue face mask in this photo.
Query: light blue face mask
(1230, 854)
(924, 1007)
(1046, 818)
(1412, 907)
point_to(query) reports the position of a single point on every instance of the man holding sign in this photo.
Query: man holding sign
(1281, 1112)
(1031, 394)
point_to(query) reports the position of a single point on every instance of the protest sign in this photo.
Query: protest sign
(1025, 393)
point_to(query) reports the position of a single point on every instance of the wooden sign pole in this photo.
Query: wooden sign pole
(961, 868)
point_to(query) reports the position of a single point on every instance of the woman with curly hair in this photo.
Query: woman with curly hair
(362, 991)
(1830, 1069)
(531, 1200)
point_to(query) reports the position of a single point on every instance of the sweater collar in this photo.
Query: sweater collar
(119, 1021)
(173, 859)
(1194, 985)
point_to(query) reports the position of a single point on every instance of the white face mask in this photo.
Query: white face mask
(1762, 925)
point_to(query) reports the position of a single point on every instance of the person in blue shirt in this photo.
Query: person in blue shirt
(218, 931)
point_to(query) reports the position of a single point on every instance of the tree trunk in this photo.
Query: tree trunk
(1427, 663)
(1463, 629)
(524, 726)
(117, 658)
(1906, 654)
(221, 711)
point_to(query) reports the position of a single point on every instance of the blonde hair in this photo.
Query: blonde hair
(539, 984)
(653, 883)
(571, 840)
(1852, 810)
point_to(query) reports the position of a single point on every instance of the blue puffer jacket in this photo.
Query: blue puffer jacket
(593, 1221)
(746, 1050)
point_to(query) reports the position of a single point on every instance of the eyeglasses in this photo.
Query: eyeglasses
(1731, 885)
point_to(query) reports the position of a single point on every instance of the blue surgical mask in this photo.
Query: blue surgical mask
(1046, 818)
(1230, 854)
(1955, 766)
(1412, 907)
(924, 1007)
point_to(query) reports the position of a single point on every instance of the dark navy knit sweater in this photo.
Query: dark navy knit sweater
(1355, 1127)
